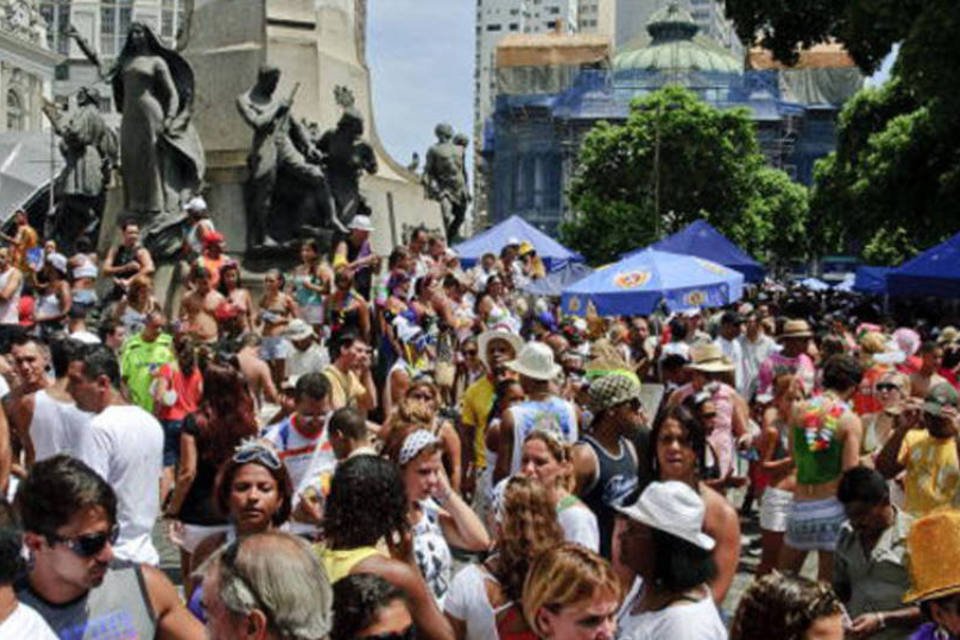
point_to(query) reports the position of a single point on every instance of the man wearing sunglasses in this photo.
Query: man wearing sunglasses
(70, 524)
(125, 446)
(606, 463)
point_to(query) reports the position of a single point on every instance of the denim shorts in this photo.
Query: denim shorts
(171, 441)
(274, 348)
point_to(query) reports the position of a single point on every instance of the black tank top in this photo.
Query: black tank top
(616, 485)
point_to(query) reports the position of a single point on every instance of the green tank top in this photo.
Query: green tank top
(817, 449)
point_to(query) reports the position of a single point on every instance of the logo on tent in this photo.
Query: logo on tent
(631, 279)
(695, 298)
(712, 267)
(574, 304)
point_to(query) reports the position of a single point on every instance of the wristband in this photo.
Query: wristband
(883, 621)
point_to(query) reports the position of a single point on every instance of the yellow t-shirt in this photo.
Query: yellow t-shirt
(476, 404)
(345, 390)
(932, 472)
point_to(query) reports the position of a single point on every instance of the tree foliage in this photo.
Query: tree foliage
(710, 167)
(893, 184)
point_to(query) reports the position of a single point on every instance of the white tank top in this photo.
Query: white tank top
(56, 427)
(10, 310)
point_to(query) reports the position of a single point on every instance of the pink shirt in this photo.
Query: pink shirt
(721, 438)
(777, 363)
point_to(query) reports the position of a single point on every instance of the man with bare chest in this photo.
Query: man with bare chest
(198, 307)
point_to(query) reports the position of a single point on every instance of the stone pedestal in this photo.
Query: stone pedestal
(316, 43)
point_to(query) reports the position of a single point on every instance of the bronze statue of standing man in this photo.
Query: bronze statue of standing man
(444, 178)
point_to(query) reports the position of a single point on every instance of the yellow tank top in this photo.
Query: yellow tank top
(339, 562)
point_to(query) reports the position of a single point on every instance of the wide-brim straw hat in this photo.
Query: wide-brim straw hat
(709, 358)
(498, 333)
(934, 547)
(795, 329)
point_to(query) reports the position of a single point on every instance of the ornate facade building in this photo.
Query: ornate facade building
(553, 89)
(26, 66)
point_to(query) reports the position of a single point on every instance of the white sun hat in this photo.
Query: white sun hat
(674, 508)
(535, 361)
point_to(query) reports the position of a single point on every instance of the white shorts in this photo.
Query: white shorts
(774, 507)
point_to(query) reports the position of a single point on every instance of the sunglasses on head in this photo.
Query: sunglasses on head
(410, 633)
(257, 453)
(88, 545)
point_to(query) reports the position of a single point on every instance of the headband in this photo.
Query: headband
(413, 444)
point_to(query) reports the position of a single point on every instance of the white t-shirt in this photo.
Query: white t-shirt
(467, 600)
(24, 623)
(57, 427)
(126, 449)
(311, 360)
(579, 525)
(681, 621)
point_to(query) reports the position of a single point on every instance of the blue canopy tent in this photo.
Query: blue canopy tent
(871, 280)
(702, 240)
(637, 285)
(554, 283)
(935, 272)
(553, 254)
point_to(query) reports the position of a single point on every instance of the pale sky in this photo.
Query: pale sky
(420, 54)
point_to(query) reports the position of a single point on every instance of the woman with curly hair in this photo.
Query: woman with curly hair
(788, 607)
(231, 287)
(484, 599)
(367, 504)
(208, 438)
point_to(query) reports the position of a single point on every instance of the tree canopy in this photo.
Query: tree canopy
(892, 185)
(710, 167)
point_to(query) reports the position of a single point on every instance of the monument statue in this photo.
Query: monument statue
(345, 158)
(280, 143)
(161, 158)
(89, 149)
(444, 178)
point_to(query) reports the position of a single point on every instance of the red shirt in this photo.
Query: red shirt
(189, 390)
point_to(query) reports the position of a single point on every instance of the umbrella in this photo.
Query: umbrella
(552, 284)
(638, 284)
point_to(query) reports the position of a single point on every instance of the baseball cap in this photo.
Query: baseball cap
(939, 396)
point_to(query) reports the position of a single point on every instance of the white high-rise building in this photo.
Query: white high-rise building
(497, 18)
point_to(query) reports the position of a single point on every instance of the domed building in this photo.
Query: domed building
(550, 96)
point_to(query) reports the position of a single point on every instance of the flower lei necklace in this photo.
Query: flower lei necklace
(820, 423)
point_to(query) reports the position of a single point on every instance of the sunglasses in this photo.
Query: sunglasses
(258, 453)
(470, 352)
(886, 386)
(410, 633)
(426, 397)
(89, 545)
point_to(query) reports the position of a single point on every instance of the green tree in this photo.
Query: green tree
(710, 167)
(893, 184)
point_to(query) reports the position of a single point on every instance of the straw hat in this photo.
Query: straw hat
(535, 361)
(934, 547)
(498, 333)
(872, 342)
(708, 357)
(947, 335)
(796, 329)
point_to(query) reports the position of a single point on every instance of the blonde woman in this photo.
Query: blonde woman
(547, 458)
(571, 593)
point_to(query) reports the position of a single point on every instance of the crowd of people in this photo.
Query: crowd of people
(398, 447)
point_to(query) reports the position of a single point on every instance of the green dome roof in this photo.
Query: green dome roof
(673, 48)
